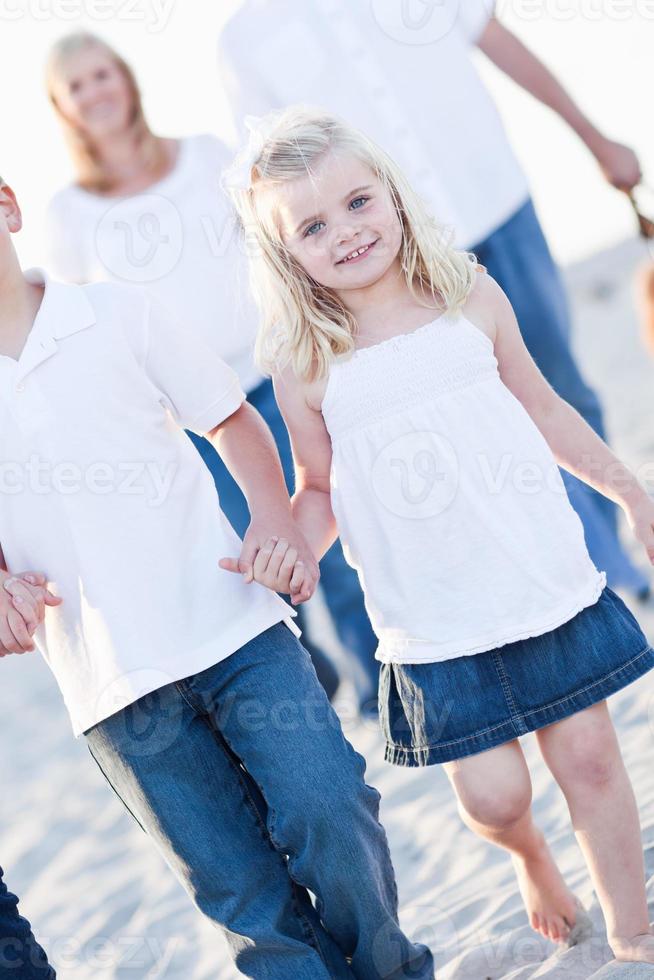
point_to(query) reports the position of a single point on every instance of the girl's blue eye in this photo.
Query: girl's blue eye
(359, 202)
(312, 229)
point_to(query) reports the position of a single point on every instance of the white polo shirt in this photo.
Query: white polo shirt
(101, 488)
(404, 73)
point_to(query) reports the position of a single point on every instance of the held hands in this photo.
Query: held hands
(282, 562)
(23, 599)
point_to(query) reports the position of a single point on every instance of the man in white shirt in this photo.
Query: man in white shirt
(198, 703)
(404, 74)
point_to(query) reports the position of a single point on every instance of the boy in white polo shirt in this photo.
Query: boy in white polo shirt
(198, 703)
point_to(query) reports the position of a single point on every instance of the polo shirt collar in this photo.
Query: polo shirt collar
(65, 310)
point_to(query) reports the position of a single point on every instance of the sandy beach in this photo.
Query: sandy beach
(104, 903)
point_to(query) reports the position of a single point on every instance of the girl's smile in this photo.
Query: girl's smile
(357, 254)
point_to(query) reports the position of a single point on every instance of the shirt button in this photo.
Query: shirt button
(20, 386)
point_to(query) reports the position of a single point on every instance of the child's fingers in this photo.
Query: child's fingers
(286, 570)
(17, 626)
(36, 583)
(303, 588)
(230, 564)
(249, 555)
(297, 578)
(51, 599)
(262, 559)
(29, 601)
(34, 578)
(7, 638)
(27, 613)
(277, 558)
(238, 566)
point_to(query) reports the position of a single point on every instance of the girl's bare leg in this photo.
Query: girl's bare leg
(584, 757)
(494, 794)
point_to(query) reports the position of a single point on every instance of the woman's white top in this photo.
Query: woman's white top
(448, 500)
(178, 239)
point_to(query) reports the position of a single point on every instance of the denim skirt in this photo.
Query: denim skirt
(436, 712)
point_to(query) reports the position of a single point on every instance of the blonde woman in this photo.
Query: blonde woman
(149, 210)
(425, 435)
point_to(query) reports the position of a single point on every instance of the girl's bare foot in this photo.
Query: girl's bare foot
(551, 906)
(640, 949)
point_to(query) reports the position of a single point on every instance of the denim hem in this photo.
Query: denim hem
(529, 721)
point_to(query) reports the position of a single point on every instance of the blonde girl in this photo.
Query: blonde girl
(425, 435)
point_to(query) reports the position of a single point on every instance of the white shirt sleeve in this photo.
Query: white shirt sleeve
(473, 17)
(198, 388)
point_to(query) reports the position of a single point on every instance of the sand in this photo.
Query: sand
(105, 904)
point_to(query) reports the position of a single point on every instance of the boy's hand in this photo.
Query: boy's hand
(23, 599)
(283, 564)
(641, 518)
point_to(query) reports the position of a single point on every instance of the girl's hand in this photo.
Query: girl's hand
(641, 520)
(278, 567)
(283, 564)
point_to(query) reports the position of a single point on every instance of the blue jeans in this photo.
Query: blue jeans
(517, 256)
(340, 583)
(243, 778)
(21, 957)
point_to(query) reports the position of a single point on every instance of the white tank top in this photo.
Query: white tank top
(448, 500)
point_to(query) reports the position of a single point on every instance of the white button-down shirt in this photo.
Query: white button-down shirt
(400, 70)
(101, 488)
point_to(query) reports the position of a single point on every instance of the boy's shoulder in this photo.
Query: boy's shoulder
(110, 306)
(108, 298)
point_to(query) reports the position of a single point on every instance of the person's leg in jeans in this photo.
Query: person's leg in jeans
(21, 957)
(178, 779)
(265, 703)
(339, 582)
(518, 258)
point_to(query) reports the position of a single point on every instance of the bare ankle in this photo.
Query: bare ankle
(536, 849)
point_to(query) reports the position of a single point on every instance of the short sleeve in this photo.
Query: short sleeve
(473, 16)
(198, 388)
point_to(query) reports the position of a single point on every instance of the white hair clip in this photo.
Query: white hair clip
(238, 176)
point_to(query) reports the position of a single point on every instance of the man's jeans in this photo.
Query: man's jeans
(339, 582)
(243, 778)
(518, 258)
(21, 957)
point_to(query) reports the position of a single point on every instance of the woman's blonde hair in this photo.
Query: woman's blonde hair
(91, 175)
(304, 323)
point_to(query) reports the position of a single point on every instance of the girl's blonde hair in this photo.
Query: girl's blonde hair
(91, 175)
(304, 323)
